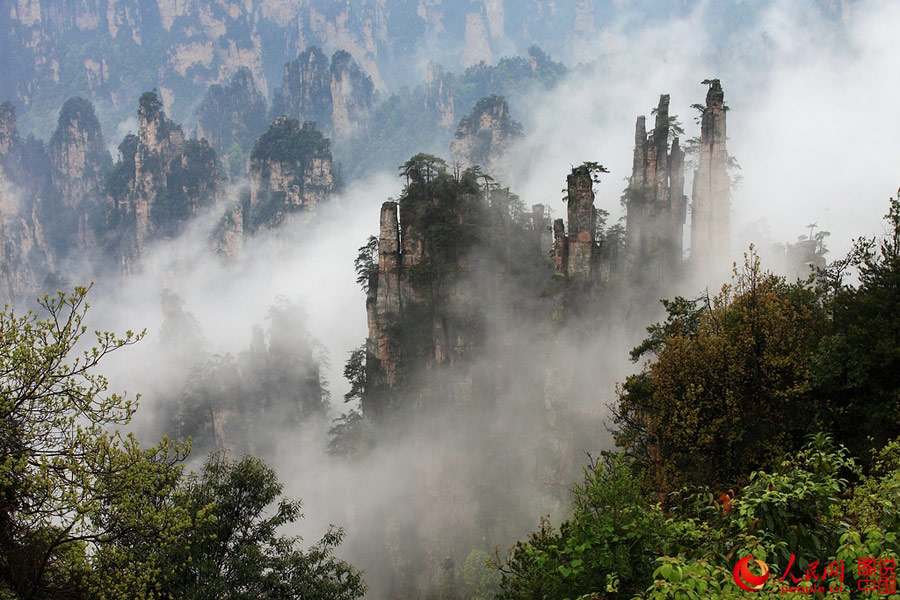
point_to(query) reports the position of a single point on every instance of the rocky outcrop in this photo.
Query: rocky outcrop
(383, 307)
(227, 239)
(582, 222)
(417, 291)
(305, 92)
(291, 171)
(159, 142)
(655, 201)
(426, 310)
(79, 162)
(805, 257)
(439, 100)
(574, 253)
(459, 274)
(337, 95)
(26, 258)
(483, 137)
(352, 94)
(710, 204)
(158, 183)
(78, 156)
(542, 227)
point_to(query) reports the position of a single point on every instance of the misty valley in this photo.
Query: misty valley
(574, 300)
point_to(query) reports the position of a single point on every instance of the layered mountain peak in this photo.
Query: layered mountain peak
(352, 94)
(159, 182)
(24, 255)
(156, 133)
(291, 171)
(78, 156)
(336, 94)
(484, 136)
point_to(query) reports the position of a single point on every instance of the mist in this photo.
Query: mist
(810, 123)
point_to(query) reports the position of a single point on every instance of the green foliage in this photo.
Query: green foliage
(608, 545)
(806, 508)
(238, 553)
(470, 125)
(60, 462)
(795, 509)
(76, 110)
(355, 374)
(237, 160)
(423, 168)
(121, 177)
(85, 512)
(366, 264)
(350, 436)
(190, 185)
(731, 387)
(857, 367)
(287, 140)
(442, 214)
(480, 576)
(588, 169)
(735, 382)
(294, 148)
(150, 104)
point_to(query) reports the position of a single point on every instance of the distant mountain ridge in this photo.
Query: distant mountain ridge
(108, 51)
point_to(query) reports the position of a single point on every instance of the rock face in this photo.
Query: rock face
(439, 99)
(710, 207)
(425, 310)
(484, 136)
(336, 95)
(79, 162)
(25, 256)
(542, 227)
(418, 287)
(655, 201)
(804, 257)
(158, 183)
(575, 254)
(291, 171)
(305, 93)
(182, 46)
(582, 222)
(460, 271)
(384, 305)
(352, 94)
(159, 142)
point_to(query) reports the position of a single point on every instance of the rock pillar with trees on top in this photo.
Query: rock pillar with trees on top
(711, 205)
(655, 201)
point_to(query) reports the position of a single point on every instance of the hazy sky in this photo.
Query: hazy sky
(812, 121)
